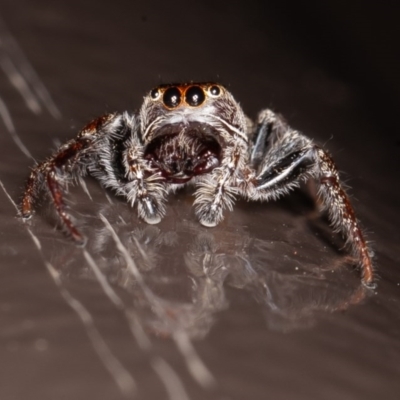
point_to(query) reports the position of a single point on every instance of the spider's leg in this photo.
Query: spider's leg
(217, 190)
(294, 158)
(50, 174)
(342, 214)
(32, 186)
(146, 185)
(71, 159)
(270, 127)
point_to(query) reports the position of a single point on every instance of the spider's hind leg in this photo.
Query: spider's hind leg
(292, 158)
(50, 174)
(342, 215)
(71, 159)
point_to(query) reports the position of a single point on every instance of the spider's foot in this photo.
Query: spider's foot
(210, 215)
(79, 239)
(26, 216)
(25, 210)
(369, 285)
(367, 269)
(150, 211)
(152, 219)
(208, 223)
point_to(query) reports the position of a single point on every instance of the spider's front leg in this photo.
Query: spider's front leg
(146, 186)
(217, 190)
(292, 158)
(76, 157)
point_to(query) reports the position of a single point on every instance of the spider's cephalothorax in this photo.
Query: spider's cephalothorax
(196, 132)
(185, 127)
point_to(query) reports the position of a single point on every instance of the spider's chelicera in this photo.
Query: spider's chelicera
(196, 132)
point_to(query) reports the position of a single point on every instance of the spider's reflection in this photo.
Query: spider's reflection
(190, 273)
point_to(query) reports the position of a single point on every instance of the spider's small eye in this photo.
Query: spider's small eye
(155, 94)
(214, 91)
(194, 96)
(172, 97)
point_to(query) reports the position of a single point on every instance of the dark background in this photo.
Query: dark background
(268, 301)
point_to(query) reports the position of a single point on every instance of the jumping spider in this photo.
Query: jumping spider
(196, 132)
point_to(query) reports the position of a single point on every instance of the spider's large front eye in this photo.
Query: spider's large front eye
(194, 96)
(155, 94)
(172, 97)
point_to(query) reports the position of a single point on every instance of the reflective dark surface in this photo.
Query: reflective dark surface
(264, 306)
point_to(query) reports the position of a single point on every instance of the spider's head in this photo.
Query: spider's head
(185, 127)
(180, 105)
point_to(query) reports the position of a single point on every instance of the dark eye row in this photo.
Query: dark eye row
(194, 96)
